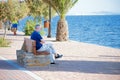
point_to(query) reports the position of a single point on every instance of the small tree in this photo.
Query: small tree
(35, 9)
(12, 9)
(38, 10)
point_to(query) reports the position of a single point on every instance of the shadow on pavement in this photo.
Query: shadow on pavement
(97, 67)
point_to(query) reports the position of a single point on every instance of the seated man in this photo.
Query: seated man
(42, 46)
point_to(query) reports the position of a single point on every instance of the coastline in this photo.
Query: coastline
(102, 30)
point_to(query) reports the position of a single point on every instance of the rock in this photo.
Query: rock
(28, 59)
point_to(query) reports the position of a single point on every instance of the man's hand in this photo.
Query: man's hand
(42, 41)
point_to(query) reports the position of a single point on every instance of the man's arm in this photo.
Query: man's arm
(40, 39)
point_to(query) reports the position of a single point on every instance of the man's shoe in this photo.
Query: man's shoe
(58, 56)
(52, 63)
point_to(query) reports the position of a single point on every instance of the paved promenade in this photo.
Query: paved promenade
(81, 61)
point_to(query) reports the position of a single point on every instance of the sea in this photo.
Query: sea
(101, 30)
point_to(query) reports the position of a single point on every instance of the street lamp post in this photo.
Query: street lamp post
(49, 28)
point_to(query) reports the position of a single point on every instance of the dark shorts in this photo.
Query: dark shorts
(14, 25)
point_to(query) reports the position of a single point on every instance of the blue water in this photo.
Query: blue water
(100, 30)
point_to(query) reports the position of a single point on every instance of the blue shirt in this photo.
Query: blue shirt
(37, 37)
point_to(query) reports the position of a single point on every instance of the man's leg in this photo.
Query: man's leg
(53, 50)
(46, 47)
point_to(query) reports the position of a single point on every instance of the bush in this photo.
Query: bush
(29, 27)
(42, 32)
(4, 43)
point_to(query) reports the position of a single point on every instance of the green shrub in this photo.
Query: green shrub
(42, 32)
(4, 42)
(29, 27)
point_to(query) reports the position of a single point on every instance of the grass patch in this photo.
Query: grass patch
(4, 42)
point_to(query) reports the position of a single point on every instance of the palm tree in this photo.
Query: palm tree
(61, 7)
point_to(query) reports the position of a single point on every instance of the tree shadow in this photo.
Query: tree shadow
(9, 34)
(95, 67)
(16, 35)
(6, 64)
(109, 56)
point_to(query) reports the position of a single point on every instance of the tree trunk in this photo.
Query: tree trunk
(0, 24)
(62, 30)
(4, 27)
(4, 36)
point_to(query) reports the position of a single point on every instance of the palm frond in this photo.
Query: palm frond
(61, 6)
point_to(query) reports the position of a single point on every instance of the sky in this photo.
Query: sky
(95, 7)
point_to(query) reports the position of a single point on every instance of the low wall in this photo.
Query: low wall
(28, 59)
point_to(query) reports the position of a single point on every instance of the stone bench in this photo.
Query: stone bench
(28, 56)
